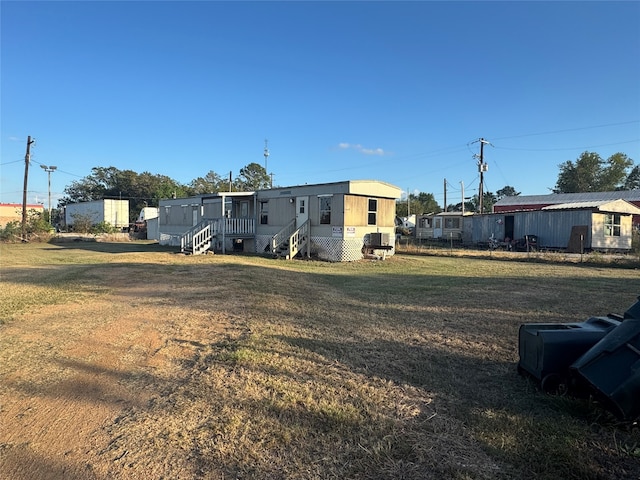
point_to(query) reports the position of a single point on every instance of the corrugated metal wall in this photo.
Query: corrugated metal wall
(553, 228)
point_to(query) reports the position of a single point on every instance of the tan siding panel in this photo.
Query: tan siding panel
(355, 210)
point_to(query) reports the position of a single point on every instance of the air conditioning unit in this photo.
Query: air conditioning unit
(379, 239)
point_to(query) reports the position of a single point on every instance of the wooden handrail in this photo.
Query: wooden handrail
(280, 237)
(202, 233)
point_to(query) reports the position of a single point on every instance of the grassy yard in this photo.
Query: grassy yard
(232, 366)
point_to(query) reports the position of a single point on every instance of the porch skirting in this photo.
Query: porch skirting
(326, 248)
(168, 239)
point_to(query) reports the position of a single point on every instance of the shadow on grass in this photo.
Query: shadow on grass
(532, 433)
(483, 395)
(86, 382)
(134, 246)
(22, 462)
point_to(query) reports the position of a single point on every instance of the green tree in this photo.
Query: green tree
(426, 203)
(253, 177)
(488, 200)
(469, 206)
(418, 204)
(633, 179)
(590, 173)
(145, 189)
(506, 191)
(210, 183)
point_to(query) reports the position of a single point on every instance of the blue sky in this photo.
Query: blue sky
(392, 91)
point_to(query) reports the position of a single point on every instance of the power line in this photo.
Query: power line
(567, 148)
(569, 130)
(9, 163)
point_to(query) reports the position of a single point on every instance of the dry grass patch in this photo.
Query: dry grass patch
(218, 367)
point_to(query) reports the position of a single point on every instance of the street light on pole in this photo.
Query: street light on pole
(49, 169)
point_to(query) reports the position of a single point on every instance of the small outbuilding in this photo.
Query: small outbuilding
(574, 227)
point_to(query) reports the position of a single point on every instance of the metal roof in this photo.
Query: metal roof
(615, 206)
(555, 198)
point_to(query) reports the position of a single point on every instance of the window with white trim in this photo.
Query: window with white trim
(325, 210)
(612, 225)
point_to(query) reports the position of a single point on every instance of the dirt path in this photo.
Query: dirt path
(62, 396)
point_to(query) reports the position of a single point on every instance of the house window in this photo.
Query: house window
(612, 225)
(244, 209)
(264, 213)
(301, 206)
(451, 223)
(325, 210)
(373, 212)
(425, 223)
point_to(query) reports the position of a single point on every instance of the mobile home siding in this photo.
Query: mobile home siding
(342, 239)
(601, 241)
(281, 211)
(445, 226)
(337, 215)
(356, 211)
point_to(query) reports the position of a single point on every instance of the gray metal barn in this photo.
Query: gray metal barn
(592, 225)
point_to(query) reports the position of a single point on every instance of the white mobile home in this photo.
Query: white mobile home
(441, 226)
(339, 221)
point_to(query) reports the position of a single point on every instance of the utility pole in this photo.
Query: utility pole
(445, 195)
(462, 188)
(482, 167)
(27, 158)
(50, 169)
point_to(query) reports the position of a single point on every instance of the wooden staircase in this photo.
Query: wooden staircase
(199, 239)
(291, 241)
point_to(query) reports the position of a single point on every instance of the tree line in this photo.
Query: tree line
(588, 173)
(147, 189)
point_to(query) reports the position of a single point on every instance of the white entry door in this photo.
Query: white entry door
(437, 227)
(302, 210)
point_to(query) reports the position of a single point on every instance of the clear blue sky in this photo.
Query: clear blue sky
(392, 91)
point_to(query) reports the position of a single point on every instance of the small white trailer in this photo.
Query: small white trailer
(114, 212)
